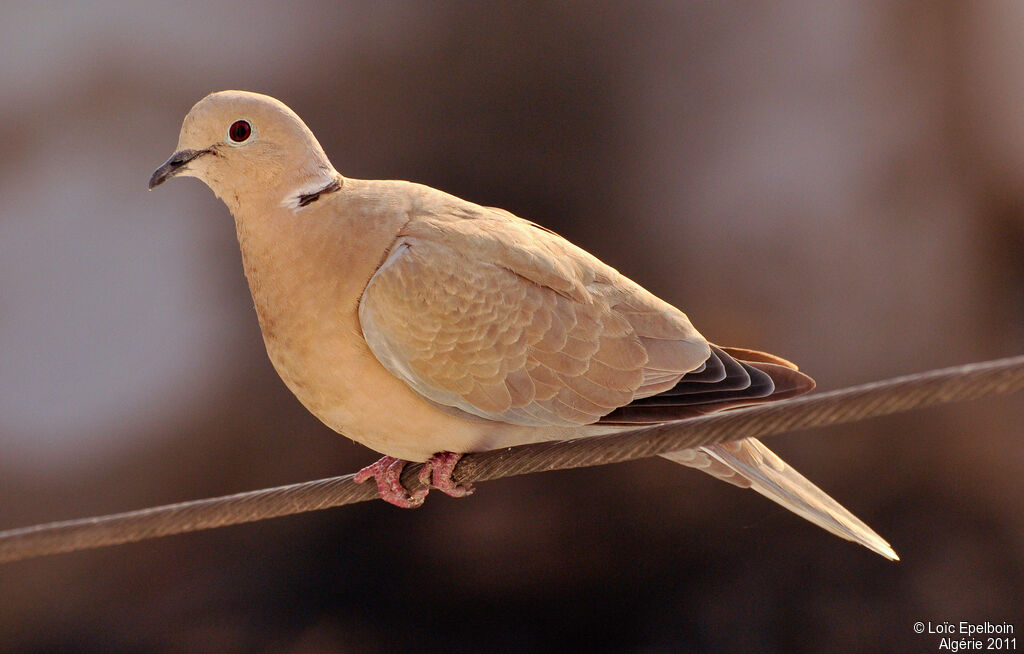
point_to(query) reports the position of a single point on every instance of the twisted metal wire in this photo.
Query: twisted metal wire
(916, 391)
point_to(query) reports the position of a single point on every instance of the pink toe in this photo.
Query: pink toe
(388, 472)
(440, 467)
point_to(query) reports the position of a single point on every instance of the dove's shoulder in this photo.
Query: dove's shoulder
(498, 237)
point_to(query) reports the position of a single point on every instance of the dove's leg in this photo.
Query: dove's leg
(387, 471)
(437, 472)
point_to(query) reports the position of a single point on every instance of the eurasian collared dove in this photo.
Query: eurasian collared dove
(425, 326)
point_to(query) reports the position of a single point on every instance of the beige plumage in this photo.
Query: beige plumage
(418, 323)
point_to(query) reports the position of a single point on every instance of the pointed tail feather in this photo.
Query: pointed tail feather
(732, 378)
(750, 464)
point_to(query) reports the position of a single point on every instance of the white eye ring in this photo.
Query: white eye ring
(240, 132)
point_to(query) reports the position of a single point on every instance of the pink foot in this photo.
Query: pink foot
(441, 466)
(387, 472)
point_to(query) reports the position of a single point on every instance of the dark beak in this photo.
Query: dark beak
(173, 166)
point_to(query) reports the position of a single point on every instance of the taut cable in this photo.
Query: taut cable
(925, 389)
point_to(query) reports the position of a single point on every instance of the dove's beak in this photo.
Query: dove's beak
(174, 165)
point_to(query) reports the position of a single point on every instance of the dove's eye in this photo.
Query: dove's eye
(239, 131)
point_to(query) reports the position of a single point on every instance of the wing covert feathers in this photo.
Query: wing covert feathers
(508, 322)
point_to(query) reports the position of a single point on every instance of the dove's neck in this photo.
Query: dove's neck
(277, 186)
(311, 191)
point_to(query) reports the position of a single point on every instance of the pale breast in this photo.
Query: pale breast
(307, 270)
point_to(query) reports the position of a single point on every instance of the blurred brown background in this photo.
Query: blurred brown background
(839, 184)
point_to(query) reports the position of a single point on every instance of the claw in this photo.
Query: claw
(437, 473)
(387, 472)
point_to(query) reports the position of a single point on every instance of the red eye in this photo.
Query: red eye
(239, 131)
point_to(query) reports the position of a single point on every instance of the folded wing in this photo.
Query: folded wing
(498, 318)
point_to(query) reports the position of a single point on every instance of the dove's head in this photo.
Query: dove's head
(246, 145)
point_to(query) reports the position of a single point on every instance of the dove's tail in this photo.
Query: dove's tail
(731, 378)
(749, 464)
